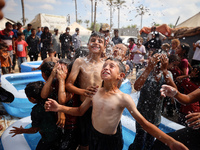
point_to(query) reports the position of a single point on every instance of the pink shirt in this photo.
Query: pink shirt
(138, 57)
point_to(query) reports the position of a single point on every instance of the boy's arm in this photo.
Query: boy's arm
(52, 105)
(21, 130)
(46, 90)
(192, 97)
(150, 128)
(141, 80)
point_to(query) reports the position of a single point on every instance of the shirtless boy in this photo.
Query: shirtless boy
(108, 104)
(87, 72)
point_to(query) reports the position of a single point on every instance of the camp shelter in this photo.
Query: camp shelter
(3, 21)
(83, 31)
(51, 21)
(193, 21)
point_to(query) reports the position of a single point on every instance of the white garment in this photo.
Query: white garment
(138, 57)
(196, 55)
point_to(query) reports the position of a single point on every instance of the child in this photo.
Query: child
(5, 58)
(51, 58)
(190, 135)
(87, 71)
(55, 88)
(108, 104)
(21, 49)
(165, 47)
(44, 122)
(149, 105)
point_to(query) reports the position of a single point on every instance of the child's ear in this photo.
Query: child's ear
(121, 75)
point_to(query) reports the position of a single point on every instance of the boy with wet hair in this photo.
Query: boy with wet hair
(87, 72)
(51, 58)
(44, 122)
(108, 104)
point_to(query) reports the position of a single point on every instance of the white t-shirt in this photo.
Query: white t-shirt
(196, 55)
(138, 57)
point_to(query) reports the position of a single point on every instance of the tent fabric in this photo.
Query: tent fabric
(164, 29)
(59, 22)
(193, 22)
(83, 31)
(3, 21)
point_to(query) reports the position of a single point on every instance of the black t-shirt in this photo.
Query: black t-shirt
(65, 40)
(46, 40)
(33, 43)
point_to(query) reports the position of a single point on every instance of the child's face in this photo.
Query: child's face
(120, 49)
(96, 45)
(110, 70)
(20, 37)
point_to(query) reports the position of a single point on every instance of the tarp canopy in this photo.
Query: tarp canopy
(59, 22)
(51, 21)
(3, 21)
(193, 21)
(164, 29)
(83, 31)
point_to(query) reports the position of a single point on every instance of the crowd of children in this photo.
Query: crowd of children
(85, 93)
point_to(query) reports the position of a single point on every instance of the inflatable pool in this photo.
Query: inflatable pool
(27, 66)
(29, 141)
(126, 87)
(16, 83)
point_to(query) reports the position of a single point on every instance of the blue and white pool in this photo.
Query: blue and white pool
(28, 66)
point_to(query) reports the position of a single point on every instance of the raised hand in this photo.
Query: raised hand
(154, 60)
(167, 90)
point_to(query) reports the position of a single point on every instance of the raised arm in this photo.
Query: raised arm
(150, 128)
(182, 98)
(141, 80)
(52, 105)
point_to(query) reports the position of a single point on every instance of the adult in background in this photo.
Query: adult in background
(154, 39)
(196, 56)
(39, 33)
(45, 42)
(7, 36)
(15, 30)
(76, 41)
(27, 32)
(56, 42)
(116, 39)
(19, 27)
(139, 51)
(33, 45)
(66, 43)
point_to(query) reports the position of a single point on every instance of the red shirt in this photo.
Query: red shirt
(7, 38)
(20, 48)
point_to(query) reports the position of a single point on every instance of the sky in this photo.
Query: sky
(159, 11)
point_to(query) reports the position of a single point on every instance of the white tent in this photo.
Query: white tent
(83, 31)
(59, 22)
(194, 21)
(3, 21)
(51, 21)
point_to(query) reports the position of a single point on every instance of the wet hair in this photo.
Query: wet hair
(32, 29)
(186, 48)
(50, 50)
(34, 89)
(66, 62)
(29, 25)
(97, 34)
(47, 67)
(20, 33)
(173, 58)
(121, 69)
(7, 24)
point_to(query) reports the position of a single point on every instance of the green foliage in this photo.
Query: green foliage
(79, 21)
(171, 25)
(97, 27)
(131, 26)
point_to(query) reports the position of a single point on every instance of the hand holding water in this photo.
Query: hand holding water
(167, 90)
